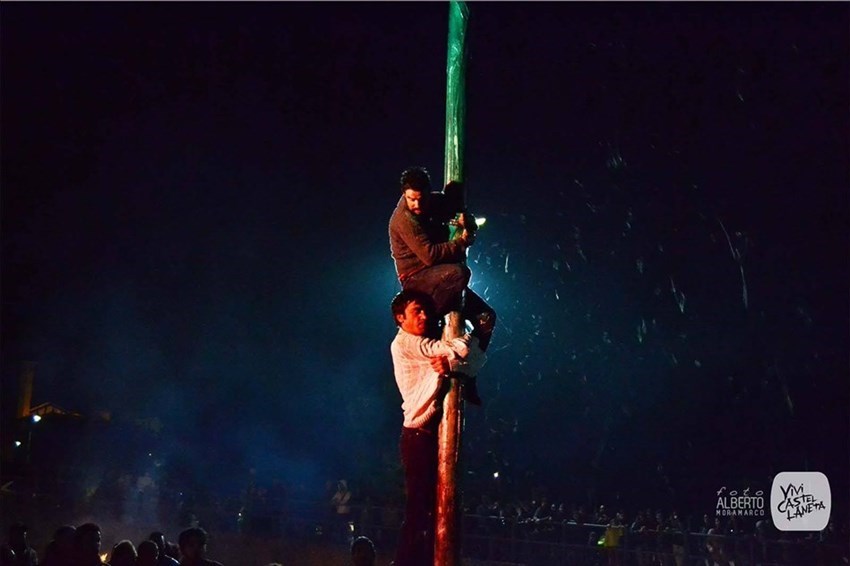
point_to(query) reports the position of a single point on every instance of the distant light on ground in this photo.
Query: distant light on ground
(36, 418)
(17, 443)
(495, 475)
(480, 221)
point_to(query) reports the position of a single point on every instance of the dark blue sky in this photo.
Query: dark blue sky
(195, 200)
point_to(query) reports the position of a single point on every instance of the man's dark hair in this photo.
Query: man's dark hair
(147, 547)
(415, 178)
(193, 533)
(64, 531)
(87, 528)
(401, 300)
(86, 539)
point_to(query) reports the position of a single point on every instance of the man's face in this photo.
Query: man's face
(194, 549)
(416, 201)
(91, 542)
(414, 319)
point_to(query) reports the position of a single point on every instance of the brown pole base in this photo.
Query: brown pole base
(447, 528)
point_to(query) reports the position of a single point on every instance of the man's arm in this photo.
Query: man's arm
(465, 355)
(410, 231)
(430, 348)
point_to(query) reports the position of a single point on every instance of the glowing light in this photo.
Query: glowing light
(104, 556)
(496, 475)
(480, 221)
(17, 443)
(36, 418)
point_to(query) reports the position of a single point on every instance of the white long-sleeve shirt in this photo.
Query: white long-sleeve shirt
(417, 382)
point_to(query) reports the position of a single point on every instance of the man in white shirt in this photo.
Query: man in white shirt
(420, 364)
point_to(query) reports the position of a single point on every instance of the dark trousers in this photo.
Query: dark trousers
(419, 457)
(445, 284)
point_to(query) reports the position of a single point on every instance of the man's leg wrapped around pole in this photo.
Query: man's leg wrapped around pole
(447, 530)
(444, 283)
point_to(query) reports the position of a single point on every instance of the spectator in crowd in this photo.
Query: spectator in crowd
(148, 554)
(640, 538)
(60, 550)
(165, 558)
(123, 554)
(613, 533)
(715, 544)
(25, 555)
(87, 540)
(363, 552)
(601, 517)
(542, 513)
(559, 513)
(639, 524)
(763, 550)
(579, 516)
(193, 548)
(674, 525)
(341, 504)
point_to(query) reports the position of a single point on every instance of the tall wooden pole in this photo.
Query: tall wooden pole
(447, 528)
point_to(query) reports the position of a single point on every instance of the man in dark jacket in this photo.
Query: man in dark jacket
(426, 260)
(193, 548)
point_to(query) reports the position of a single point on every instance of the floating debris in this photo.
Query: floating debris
(641, 331)
(678, 295)
(739, 258)
(581, 253)
(615, 161)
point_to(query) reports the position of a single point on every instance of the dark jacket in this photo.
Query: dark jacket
(417, 242)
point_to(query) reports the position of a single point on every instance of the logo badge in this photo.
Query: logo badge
(745, 503)
(800, 501)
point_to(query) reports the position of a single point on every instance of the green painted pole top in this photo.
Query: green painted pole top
(456, 91)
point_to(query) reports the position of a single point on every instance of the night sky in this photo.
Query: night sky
(194, 227)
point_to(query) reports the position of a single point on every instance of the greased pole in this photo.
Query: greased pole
(447, 528)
